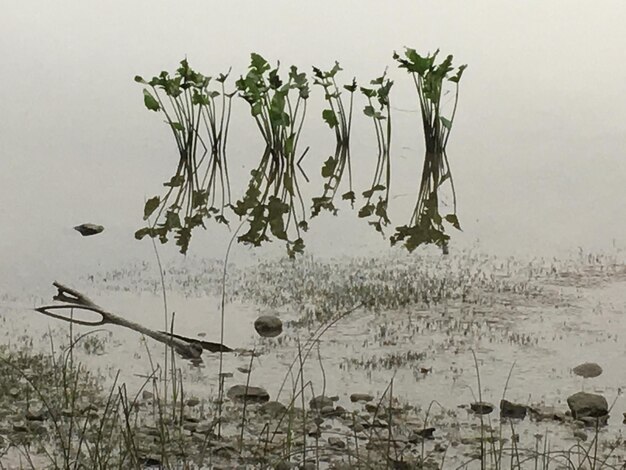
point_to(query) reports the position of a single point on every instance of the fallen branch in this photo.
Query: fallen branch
(71, 299)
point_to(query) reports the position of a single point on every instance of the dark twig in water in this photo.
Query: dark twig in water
(187, 347)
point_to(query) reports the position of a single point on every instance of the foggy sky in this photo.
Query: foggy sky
(537, 149)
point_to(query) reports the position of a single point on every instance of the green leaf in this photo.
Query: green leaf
(177, 126)
(142, 232)
(456, 78)
(366, 210)
(446, 123)
(349, 196)
(140, 79)
(276, 210)
(172, 220)
(288, 183)
(175, 182)
(352, 87)
(329, 167)
(258, 63)
(373, 189)
(330, 117)
(200, 198)
(452, 218)
(151, 103)
(369, 111)
(151, 206)
(368, 92)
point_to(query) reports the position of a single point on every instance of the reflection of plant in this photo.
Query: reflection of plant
(199, 118)
(426, 225)
(382, 175)
(273, 200)
(340, 120)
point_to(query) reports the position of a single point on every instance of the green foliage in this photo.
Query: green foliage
(338, 116)
(200, 188)
(379, 110)
(272, 206)
(426, 225)
(273, 203)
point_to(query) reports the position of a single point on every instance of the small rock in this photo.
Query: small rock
(584, 404)
(273, 409)
(358, 427)
(426, 433)
(439, 447)
(336, 442)
(193, 401)
(590, 422)
(314, 431)
(546, 413)
(87, 230)
(250, 394)
(190, 426)
(355, 397)
(206, 427)
(580, 435)
(36, 413)
(321, 401)
(588, 370)
(512, 410)
(268, 326)
(481, 407)
(371, 408)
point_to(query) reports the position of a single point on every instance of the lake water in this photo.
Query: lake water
(537, 151)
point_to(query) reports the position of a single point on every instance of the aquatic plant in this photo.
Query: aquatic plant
(426, 224)
(273, 203)
(338, 116)
(199, 117)
(380, 113)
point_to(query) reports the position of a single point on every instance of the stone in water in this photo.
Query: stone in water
(588, 370)
(268, 326)
(89, 229)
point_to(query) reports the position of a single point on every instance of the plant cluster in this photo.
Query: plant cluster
(273, 206)
(273, 200)
(198, 117)
(426, 225)
(339, 119)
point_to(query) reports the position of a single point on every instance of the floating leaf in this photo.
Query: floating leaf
(329, 167)
(330, 117)
(151, 206)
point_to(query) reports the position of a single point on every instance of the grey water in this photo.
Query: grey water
(537, 151)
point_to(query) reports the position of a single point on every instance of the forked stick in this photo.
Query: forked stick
(72, 299)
